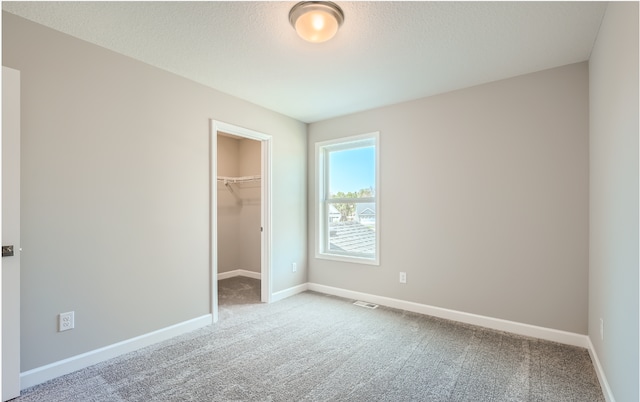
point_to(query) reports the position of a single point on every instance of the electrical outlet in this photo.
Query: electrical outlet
(66, 321)
(294, 267)
(601, 329)
(403, 277)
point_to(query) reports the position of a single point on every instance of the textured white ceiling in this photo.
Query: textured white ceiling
(385, 53)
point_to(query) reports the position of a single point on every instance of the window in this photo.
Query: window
(347, 212)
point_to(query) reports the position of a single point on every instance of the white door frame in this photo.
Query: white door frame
(10, 222)
(265, 208)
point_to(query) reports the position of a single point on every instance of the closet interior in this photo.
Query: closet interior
(239, 206)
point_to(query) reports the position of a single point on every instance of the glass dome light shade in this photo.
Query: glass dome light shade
(316, 21)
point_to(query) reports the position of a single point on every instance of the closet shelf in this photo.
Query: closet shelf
(228, 181)
(238, 179)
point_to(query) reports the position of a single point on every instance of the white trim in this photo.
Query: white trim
(283, 294)
(239, 272)
(265, 215)
(568, 338)
(604, 384)
(347, 258)
(213, 220)
(321, 207)
(45, 373)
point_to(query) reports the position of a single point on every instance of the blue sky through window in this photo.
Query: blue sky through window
(352, 170)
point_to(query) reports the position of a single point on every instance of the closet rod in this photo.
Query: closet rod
(240, 179)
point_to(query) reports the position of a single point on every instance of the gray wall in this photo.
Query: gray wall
(484, 200)
(613, 246)
(115, 192)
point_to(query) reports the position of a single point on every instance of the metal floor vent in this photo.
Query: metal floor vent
(365, 304)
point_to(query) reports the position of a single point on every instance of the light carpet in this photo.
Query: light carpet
(313, 347)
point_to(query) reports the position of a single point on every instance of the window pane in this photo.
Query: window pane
(356, 234)
(352, 173)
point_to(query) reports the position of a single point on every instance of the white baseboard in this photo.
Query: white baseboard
(283, 294)
(604, 384)
(239, 272)
(568, 338)
(50, 371)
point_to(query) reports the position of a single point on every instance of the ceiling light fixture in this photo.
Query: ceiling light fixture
(316, 21)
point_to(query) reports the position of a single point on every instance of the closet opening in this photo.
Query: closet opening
(240, 218)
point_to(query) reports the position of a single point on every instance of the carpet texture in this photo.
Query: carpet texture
(313, 347)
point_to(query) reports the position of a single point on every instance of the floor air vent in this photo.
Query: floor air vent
(365, 304)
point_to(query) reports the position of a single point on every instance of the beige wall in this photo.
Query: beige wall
(228, 209)
(483, 197)
(250, 158)
(115, 192)
(613, 251)
(239, 219)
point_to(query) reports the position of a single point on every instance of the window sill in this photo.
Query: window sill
(345, 258)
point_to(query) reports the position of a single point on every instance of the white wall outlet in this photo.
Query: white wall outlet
(66, 321)
(294, 267)
(403, 277)
(601, 329)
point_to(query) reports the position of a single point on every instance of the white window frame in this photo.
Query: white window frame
(322, 206)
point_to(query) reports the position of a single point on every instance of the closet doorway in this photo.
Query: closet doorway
(240, 208)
